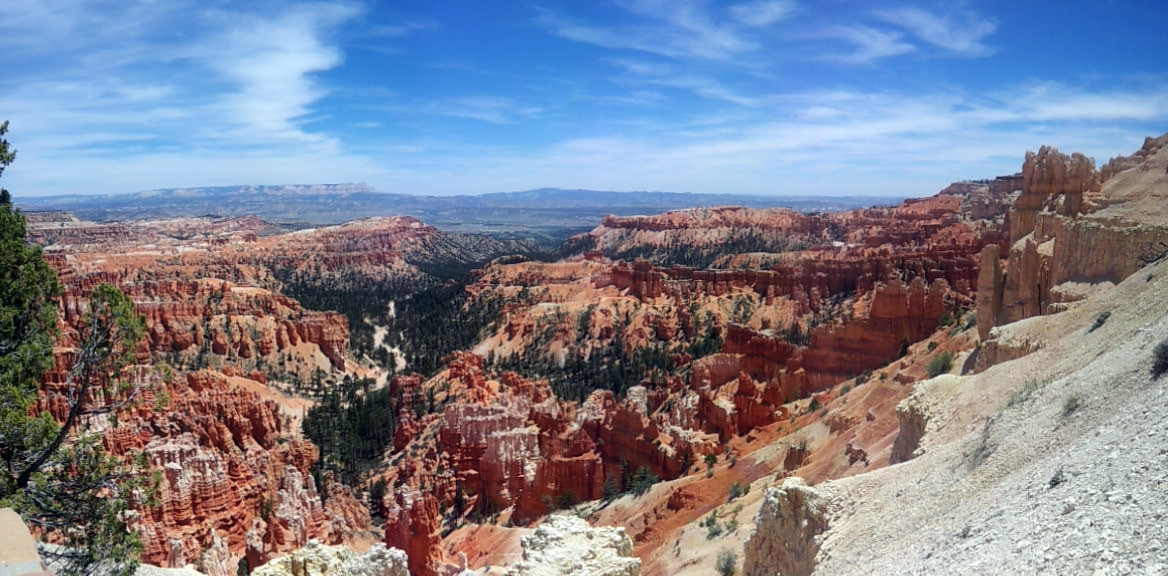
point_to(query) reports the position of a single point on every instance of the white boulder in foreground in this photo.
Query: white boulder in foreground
(315, 559)
(568, 546)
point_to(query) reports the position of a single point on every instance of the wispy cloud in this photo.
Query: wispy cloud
(959, 33)
(491, 109)
(762, 12)
(402, 29)
(842, 142)
(271, 62)
(135, 80)
(670, 76)
(868, 44)
(676, 29)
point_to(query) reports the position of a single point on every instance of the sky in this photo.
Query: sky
(767, 97)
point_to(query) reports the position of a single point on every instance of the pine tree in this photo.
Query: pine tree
(56, 475)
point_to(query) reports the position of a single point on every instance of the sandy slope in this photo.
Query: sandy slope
(946, 513)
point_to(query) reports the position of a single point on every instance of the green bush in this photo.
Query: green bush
(567, 499)
(726, 563)
(1160, 359)
(1058, 478)
(1026, 392)
(644, 480)
(738, 489)
(1099, 320)
(713, 530)
(940, 364)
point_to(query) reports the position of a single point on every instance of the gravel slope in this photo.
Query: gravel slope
(1072, 478)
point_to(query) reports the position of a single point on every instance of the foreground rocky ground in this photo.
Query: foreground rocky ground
(1055, 463)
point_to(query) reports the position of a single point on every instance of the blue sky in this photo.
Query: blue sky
(782, 97)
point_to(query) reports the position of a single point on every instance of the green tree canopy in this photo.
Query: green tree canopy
(56, 475)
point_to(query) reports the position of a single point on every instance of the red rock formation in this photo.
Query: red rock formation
(415, 528)
(232, 467)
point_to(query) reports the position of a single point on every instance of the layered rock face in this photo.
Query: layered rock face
(235, 475)
(567, 545)
(1071, 227)
(787, 531)
(508, 444)
(809, 318)
(415, 527)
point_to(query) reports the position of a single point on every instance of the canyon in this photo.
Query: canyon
(778, 375)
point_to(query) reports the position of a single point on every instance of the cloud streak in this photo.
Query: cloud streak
(674, 29)
(960, 34)
(762, 13)
(870, 44)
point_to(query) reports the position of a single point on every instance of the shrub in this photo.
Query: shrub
(1071, 404)
(1099, 321)
(726, 563)
(713, 529)
(567, 499)
(377, 493)
(940, 364)
(1025, 392)
(644, 480)
(1160, 359)
(1058, 478)
(932, 345)
(738, 489)
(610, 488)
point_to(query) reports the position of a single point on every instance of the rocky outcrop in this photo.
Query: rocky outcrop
(1052, 182)
(1072, 224)
(414, 526)
(567, 546)
(235, 477)
(788, 530)
(912, 416)
(317, 559)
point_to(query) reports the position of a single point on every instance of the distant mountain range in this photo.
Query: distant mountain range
(545, 213)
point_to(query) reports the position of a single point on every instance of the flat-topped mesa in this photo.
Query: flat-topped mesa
(1073, 227)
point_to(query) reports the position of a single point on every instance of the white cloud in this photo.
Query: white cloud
(491, 109)
(123, 84)
(672, 28)
(271, 62)
(671, 76)
(959, 33)
(870, 44)
(831, 142)
(762, 12)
